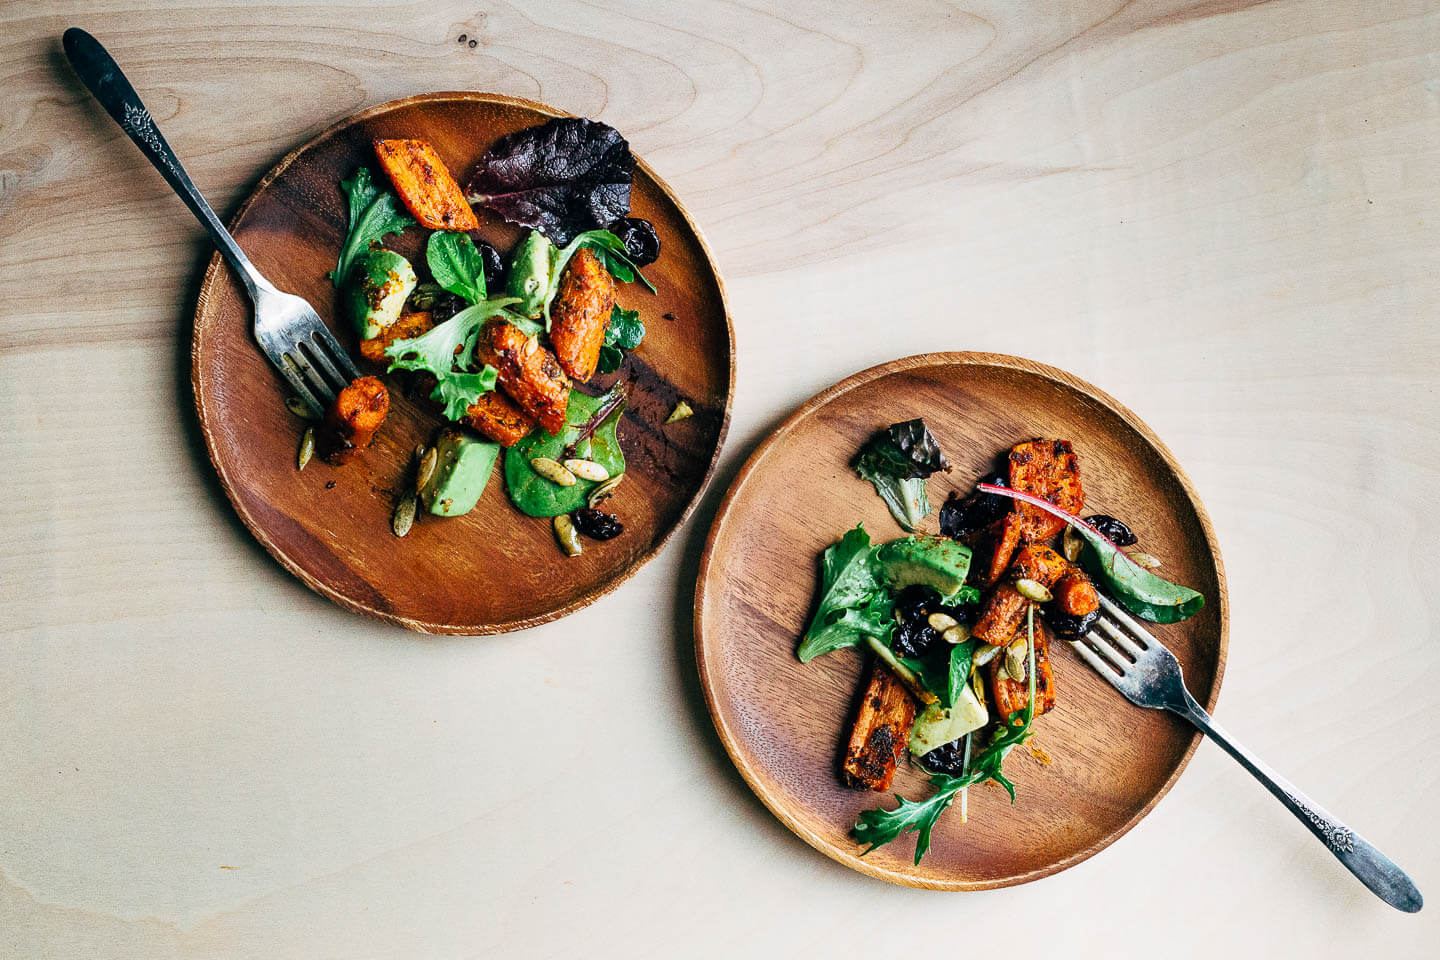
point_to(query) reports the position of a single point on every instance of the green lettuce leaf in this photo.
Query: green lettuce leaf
(372, 214)
(448, 353)
(853, 601)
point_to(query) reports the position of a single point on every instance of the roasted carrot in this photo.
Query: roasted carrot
(881, 732)
(497, 417)
(408, 326)
(1009, 695)
(1003, 611)
(1037, 562)
(350, 423)
(428, 191)
(580, 314)
(528, 372)
(1047, 469)
(1075, 594)
(1005, 539)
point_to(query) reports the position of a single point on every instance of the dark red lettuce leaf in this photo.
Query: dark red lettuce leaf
(562, 177)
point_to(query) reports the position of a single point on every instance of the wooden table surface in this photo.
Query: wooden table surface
(1222, 213)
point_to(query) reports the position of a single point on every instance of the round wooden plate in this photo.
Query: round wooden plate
(493, 570)
(785, 724)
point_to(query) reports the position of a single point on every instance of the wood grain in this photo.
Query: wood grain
(1223, 213)
(781, 720)
(492, 570)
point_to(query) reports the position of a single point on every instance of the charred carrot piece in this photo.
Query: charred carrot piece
(1049, 470)
(350, 423)
(497, 417)
(426, 188)
(881, 732)
(580, 314)
(527, 371)
(1009, 694)
(408, 326)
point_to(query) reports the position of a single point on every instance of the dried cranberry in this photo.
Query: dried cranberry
(1067, 626)
(961, 517)
(597, 524)
(1113, 530)
(642, 244)
(915, 637)
(948, 758)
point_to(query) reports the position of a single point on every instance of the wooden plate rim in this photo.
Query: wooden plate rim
(850, 856)
(212, 278)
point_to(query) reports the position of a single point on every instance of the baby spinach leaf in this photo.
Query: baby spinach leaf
(447, 352)
(536, 496)
(625, 332)
(1129, 584)
(853, 601)
(961, 656)
(456, 264)
(562, 177)
(372, 214)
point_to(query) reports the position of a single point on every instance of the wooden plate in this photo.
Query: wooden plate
(493, 570)
(785, 724)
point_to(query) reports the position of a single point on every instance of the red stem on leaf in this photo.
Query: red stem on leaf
(1048, 507)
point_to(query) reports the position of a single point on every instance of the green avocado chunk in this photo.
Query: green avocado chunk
(937, 562)
(379, 284)
(462, 469)
(529, 275)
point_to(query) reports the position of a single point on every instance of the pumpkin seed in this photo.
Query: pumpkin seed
(587, 469)
(985, 654)
(681, 411)
(299, 407)
(565, 532)
(1032, 590)
(426, 470)
(307, 448)
(404, 517)
(1146, 560)
(604, 491)
(1073, 545)
(552, 471)
(940, 622)
(1015, 660)
(956, 634)
(977, 680)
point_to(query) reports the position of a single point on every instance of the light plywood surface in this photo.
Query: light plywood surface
(1223, 214)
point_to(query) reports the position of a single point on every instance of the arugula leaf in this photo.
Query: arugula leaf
(897, 462)
(447, 352)
(456, 264)
(1131, 585)
(611, 251)
(372, 214)
(624, 332)
(853, 601)
(878, 827)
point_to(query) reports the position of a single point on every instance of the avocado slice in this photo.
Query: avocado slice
(379, 284)
(529, 275)
(938, 725)
(462, 468)
(937, 562)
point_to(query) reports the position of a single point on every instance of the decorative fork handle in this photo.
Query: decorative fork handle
(102, 75)
(1371, 867)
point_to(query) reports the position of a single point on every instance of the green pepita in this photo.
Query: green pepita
(552, 470)
(681, 411)
(404, 517)
(568, 536)
(426, 469)
(299, 407)
(1072, 545)
(587, 469)
(604, 492)
(1033, 590)
(307, 448)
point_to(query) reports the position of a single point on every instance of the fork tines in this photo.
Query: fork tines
(314, 364)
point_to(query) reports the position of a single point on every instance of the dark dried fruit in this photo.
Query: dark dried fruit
(642, 244)
(915, 638)
(961, 517)
(563, 177)
(1113, 530)
(597, 524)
(1067, 626)
(494, 267)
(948, 758)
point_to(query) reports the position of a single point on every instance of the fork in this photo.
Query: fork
(287, 328)
(1150, 677)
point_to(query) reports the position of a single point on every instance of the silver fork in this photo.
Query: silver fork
(287, 328)
(1150, 677)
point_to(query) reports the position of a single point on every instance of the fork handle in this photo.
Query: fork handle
(1371, 867)
(102, 75)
